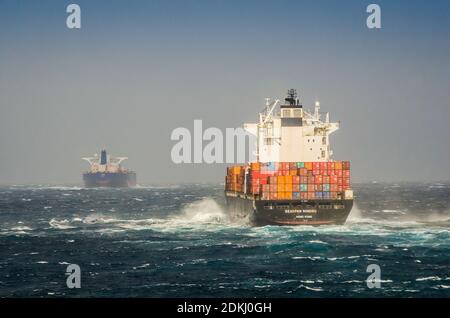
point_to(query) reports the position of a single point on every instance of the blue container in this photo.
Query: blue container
(271, 166)
(326, 195)
(318, 195)
(296, 195)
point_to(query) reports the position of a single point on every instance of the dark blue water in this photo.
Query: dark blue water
(178, 242)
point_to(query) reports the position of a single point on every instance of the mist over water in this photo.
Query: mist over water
(178, 241)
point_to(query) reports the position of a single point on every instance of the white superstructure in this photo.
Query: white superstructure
(289, 133)
(105, 163)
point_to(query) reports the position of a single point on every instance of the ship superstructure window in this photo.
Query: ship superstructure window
(324, 140)
(297, 113)
(286, 113)
(323, 153)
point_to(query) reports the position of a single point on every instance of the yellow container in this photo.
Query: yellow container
(338, 165)
(308, 165)
(288, 187)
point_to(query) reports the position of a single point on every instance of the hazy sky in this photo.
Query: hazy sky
(138, 69)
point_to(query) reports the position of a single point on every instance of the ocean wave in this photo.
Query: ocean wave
(420, 279)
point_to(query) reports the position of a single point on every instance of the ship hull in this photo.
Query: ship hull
(109, 180)
(288, 212)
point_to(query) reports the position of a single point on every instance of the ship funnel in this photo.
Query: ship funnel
(103, 157)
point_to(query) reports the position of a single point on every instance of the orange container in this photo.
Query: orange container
(288, 187)
(308, 165)
(288, 179)
(338, 165)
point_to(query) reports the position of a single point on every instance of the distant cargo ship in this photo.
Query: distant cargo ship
(106, 171)
(293, 181)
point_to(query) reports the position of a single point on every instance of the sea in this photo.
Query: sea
(178, 241)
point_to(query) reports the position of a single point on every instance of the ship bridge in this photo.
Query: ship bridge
(105, 162)
(290, 133)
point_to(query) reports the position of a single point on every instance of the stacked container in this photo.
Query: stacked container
(290, 180)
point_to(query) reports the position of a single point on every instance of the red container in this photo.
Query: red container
(333, 179)
(303, 179)
(323, 165)
(346, 181)
(346, 173)
(292, 166)
(311, 195)
(318, 179)
(296, 179)
(339, 181)
(273, 188)
(303, 171)
(316, 165)
(330, 165)
(296, 188)
(333, 187)
(316, 172)
(338, 173)
(323, 172)
(318, 187)
(326, 179)
(310, 187)
(304, 195)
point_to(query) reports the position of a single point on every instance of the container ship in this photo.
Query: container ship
(106, 171)
(294, 180)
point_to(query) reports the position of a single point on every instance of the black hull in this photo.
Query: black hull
(109, 180)
(288, 212)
